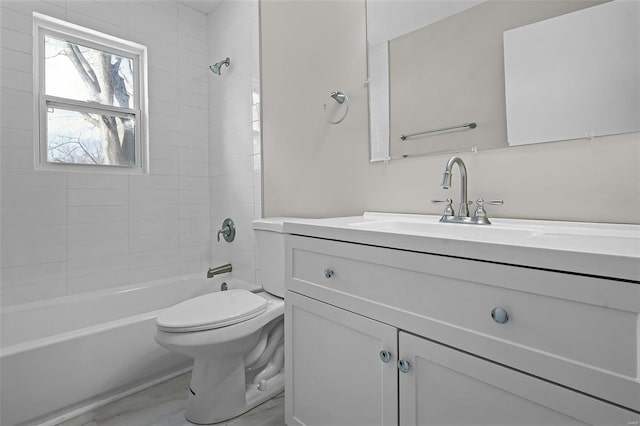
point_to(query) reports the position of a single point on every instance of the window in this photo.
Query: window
(91, 99)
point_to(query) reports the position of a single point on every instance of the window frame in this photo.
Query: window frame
(47, 26)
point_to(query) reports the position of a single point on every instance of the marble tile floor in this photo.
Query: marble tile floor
(164, 404)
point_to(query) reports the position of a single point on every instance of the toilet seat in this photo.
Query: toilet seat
(211, 311)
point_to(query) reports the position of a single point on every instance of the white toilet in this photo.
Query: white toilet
(236, 337)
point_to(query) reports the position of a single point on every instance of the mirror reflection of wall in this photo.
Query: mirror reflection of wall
(388, 20)
(574, 76)
(451, 72)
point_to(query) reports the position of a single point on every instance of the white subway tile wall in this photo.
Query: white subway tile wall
(234, 133)
(65, 232)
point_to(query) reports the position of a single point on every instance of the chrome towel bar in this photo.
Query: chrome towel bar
(462, 126)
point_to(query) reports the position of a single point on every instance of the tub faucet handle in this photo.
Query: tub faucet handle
(228, 230)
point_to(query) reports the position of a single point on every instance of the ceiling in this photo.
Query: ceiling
(204, 6)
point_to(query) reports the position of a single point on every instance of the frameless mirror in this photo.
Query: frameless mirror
(440, 64)
(574, 76)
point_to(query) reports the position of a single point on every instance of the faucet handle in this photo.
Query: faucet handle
(448, 208)
(480, 203)
(228, 230)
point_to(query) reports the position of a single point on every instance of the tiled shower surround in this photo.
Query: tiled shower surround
(71, 232)
(234, 133)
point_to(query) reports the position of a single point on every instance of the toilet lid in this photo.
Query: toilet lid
(211, 311)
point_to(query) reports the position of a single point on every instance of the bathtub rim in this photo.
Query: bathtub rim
(61, 337)
(72, 298)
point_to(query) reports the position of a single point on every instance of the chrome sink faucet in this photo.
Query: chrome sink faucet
(446, 183)
(480, 215)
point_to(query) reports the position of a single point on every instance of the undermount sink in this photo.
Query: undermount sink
(448, 230)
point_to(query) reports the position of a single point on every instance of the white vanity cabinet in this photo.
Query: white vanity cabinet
(339, 377)
(444, 386)
(567, 353)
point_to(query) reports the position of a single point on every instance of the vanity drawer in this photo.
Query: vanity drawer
(579, 331)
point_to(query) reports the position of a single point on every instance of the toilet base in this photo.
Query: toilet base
(235, 368)
(255, 396)
(230, 397)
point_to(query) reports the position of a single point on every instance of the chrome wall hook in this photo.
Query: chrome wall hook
(339, 97)
(343, 104)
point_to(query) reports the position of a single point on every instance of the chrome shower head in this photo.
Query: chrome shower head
(216, 67)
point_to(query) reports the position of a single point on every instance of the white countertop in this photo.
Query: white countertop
(605, 250)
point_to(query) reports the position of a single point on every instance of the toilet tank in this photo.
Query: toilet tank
(270, 254)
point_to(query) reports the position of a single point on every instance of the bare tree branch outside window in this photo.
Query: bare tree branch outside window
(90, 75)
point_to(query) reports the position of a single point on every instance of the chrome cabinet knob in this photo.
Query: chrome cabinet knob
(328, 273)
(499, 315)
(403, 365)
(385, 356)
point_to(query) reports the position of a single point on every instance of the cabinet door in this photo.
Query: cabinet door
(334, 371)
(445, 386)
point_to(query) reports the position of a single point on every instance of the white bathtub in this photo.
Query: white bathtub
(67, 355)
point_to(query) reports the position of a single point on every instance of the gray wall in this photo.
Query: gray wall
(452, 72)
(313, 169)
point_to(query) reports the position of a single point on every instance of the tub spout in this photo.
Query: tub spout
(223, 269)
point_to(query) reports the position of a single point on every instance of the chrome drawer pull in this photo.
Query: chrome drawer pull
(328, 273)
(499, 315)
(385, 356)
(403, 366)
